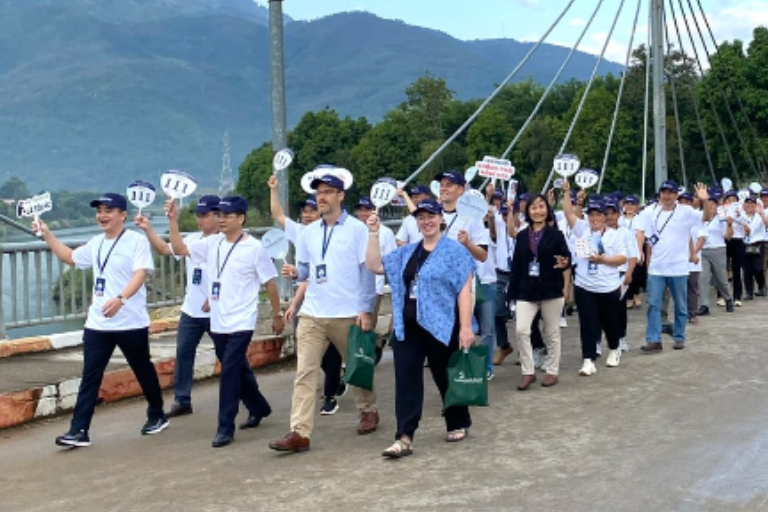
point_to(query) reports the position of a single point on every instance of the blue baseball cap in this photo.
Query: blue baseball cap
(328, 179)
(498, 194)
(428, 205)
(452, 176)
(504, 209)
(111, 200)
(310, 201)
(206, 204)
(764, 192)
(232, 204)
(617, 195)
(631, 199)
(596, 205)
(670, 185)
(525, 197)
(420, 189)
(574, 196)
(731, 193)
(612, 203)
(365, 202)
(715, 196)
(750, 198)
(687, 196)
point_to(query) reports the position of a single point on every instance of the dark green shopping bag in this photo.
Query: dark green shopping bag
(361, 358)
(467, 378)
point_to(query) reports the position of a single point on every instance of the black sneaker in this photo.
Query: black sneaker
(178, 409)
(77, 439)
(342, 389)
(330, 406)
(703, 311)
(154, 426)
(729, 306)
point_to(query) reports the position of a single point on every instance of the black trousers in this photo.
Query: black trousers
(98, 347)
(409, 379)
(639, 278)
(237, 381)
(623, 309)
(598, 313)
(734, 250)
(754, 271)
(331, 365)
(537, 340)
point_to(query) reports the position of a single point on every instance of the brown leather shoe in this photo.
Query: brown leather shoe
(550, 380)
(293, 442)
(501, 355)
(368, 422)
(526, 382)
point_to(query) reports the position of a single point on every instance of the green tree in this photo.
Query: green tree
(14, 188)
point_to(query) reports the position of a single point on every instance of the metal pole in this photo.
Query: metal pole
(659, 93)
(279, 122)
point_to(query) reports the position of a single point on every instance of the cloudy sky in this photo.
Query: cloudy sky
(527, 20)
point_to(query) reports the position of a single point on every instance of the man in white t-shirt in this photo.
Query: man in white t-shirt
(341, 292)
(237, 267)
(117, 316)
(409, 232)
(333, 383)
(667, 226)
(195, 319)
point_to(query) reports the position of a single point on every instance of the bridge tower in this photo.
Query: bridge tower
(226, 182)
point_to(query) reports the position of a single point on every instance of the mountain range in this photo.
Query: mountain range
(99, 92)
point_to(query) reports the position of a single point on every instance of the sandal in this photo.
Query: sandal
(455, 436)
(399, 449)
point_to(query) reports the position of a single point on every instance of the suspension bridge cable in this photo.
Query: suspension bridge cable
(695, 102)
(755, 138)
(674, 102)
(701, 72)
(646, 107)
(490, 98)
(728, 109)
(586, 91)
(552, 83)
(619, 97)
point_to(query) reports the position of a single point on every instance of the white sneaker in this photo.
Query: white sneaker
(563, 322)
(599, 348)
(538, 358)
(721, 303)
(737, 303)
(623, 345)
(614, 357)
(588, 368)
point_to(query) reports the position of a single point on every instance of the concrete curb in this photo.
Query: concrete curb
(60, 341)
(20, 407)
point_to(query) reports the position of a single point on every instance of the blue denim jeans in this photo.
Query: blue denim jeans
(502, 309)
(486, 317)
(190, 332)
(678, 288)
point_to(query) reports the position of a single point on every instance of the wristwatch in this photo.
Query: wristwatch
(123, 300)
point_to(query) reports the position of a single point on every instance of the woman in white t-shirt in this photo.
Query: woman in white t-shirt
(735, 250)
(117, 317)
(753, 248)
(597, 283)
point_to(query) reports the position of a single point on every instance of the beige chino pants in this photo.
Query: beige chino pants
(550, 314)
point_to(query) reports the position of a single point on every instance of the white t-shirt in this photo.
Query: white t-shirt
(197, 294)
(715, 230)
(387, 244)
(240, 269)
(478, 234)
(757, 230)
(409, 231)
(630, 244)
(696, 233)
(293, 230)
(347, 242)
(670, 254)
(570, 238)
(606, 278)
(129, 253)
(631, 224)
(504, 246)
(736, 212)
(486, 271)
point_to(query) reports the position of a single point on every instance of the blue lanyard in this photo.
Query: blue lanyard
(667, 222)
(98, 257)
(218, 254)
(451, 224)
(327, 238)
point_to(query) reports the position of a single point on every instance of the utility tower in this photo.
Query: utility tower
(659, 91)
(226, 182)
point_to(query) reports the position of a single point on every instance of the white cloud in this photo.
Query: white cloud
(577, 22)
(738, 20)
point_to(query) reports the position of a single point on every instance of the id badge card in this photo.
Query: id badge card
(653, 240)
(592, 268)
(321, 274)
(534, 269)
(197, 276)
(99, 286)
(414, 290)
(215, 290)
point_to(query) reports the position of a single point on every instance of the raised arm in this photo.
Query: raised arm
(177, 243)
(157, 243)
(568, 208)
(275, 208)
(61, 251)
(373, 252)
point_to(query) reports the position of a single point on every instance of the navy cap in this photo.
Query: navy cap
(670, 185)
(525, 197)
(206, 204)
(631, 199)
(428, 205)
(498, 194)
(452, 176)
(596, 205)
(715, 196)
(764, 192)
(504, 209)
(687, 196)
(232, 204)
(574, 196)
(612, 203)
(365, 202)
(420, 189)
(731, 193)
(750, 198)
(617, 195)
(310, 201)
(111, 200)
(328, 179)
